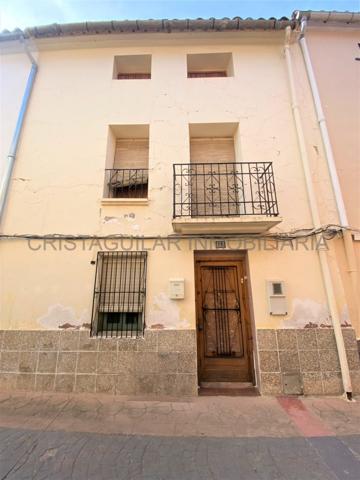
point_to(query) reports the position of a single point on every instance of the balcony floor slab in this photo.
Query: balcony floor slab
(233, 224)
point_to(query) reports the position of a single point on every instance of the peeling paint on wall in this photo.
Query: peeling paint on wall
(108, 219)
(166, 312)
(345, 316)
(59, 316)
(129, 217)
(307, 313)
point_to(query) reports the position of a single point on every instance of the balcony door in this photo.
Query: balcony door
(223, 325)
(214, 188)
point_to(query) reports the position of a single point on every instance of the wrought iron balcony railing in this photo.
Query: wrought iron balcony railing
(126, 183)
(224, 189)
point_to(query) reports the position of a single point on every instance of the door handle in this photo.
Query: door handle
(200, 328)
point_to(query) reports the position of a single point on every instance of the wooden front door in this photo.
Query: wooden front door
(223, 329)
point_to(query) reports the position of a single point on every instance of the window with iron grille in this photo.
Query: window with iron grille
(119, 294)
(128, 176)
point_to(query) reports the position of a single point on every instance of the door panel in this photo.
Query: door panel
(223, 343)
(221, 312)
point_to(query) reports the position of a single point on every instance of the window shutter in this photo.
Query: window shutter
(131, 153)
(213, 183)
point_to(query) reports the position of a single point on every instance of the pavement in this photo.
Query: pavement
(58, 436)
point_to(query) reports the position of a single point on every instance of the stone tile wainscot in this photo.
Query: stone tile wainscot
(161, 363)
(294, 361)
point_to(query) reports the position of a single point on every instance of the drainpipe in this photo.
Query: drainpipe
(347, 237)
(324, 265)
(10, 161)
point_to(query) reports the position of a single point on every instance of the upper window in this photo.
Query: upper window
(126, 175)
(200, 65)
(132, 67)
(119, 294)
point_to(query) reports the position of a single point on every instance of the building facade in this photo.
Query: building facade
(158, 232)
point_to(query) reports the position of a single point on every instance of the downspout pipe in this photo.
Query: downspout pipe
(10, 161)
(323, 260)
(340, 205)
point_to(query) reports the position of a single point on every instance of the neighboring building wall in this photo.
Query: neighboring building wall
(338, 76)
(58, 184)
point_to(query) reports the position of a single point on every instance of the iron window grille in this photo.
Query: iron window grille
(224, 189)
(126, 182)
(119, 294)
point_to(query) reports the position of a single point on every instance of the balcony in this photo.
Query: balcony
(224, 198)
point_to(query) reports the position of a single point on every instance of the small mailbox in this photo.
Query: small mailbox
(176, 288)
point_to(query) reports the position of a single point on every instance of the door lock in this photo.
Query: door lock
(200, 328)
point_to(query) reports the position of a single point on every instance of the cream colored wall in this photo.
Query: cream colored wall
(58, 180)
(46, 286)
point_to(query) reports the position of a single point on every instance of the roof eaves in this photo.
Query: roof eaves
(324, 16)
(147, 26)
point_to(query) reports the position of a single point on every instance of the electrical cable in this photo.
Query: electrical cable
(328, 231)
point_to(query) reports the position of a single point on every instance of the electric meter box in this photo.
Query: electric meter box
(276, 298)
(176, 288)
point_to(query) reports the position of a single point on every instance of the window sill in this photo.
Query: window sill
(124, 201)
(121, 334)
(209, 77)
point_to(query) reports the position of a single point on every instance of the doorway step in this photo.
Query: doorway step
(229, 389)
